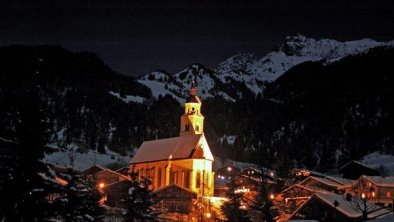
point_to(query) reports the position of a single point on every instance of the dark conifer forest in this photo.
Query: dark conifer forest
(316, 115)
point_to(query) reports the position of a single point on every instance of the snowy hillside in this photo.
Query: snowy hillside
(376, 160)
(178, 84)
(83, 161)
(251, 71)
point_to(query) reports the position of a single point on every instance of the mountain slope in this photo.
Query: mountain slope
(252, 73)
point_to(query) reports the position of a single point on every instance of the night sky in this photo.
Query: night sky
(137, 37)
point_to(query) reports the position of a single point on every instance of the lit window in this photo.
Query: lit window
(388, 194)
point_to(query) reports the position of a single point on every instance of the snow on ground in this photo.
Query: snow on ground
(85, 160)
(128, 98)
(376, 159)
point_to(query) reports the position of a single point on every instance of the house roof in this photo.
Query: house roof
(193, 99)
(327, 181)
(386, 218)
(114, 172)
(93, 169)
(348, 208)
(172, 148)
(342, 181)
(355, 162)
(308, 188)
(175, 186)
(380, 181)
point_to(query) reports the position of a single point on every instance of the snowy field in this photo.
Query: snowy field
(86, 160)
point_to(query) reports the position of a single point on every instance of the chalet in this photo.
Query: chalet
(93, 170)
(327, 206)
(297, 194)
(354, 169)
(124, 170)
(185, 160)
(379, 190)
(107, 176)
(116, 193)
(175, 199)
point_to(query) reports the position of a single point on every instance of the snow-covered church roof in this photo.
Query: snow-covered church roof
(181, 147)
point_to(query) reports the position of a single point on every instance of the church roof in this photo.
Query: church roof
(175, 148)
(193, 99)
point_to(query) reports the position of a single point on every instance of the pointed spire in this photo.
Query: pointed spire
(193, 90)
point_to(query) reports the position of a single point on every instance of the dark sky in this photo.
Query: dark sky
(137, 37)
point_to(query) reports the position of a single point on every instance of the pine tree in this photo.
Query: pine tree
(80, 200)
(140, 203)
(27, 180)
(232, 208)
(263, 203)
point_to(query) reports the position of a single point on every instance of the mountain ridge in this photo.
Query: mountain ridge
(253, 72)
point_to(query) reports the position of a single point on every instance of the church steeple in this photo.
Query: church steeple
(192, 121)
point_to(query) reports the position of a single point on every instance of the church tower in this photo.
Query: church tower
(192, 121)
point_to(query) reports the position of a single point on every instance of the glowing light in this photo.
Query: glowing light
(208, 215)
(243, 190)
(272, 196)
(101, 185)
(363, 196)
(272, 174)
(229, 169)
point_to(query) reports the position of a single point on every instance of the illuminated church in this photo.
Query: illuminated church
(185, 161)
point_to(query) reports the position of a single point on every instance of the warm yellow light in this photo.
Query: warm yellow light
(363, 196)
(101, 185)
(208, 215)
(373, 194)
(229, 169)
(272, 196)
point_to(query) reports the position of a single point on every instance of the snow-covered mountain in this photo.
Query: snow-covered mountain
(254, 72)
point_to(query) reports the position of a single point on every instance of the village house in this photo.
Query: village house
(185, 161)
(378, 190)
(297, 194)
(327, 207)
(354, 169)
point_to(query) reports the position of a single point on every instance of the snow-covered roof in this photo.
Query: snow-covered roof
(175, 186)
(353, 161)
(344, 206)
(308, 188)
(386, 218)
(342, 181)
(172, 148)
(380, 181)
(113, 172)
(327, 181)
